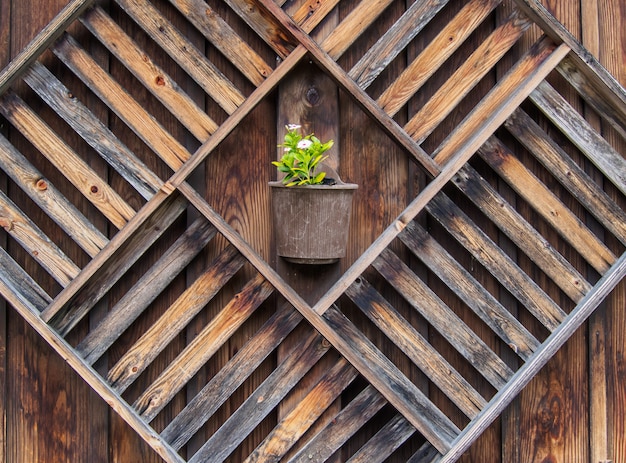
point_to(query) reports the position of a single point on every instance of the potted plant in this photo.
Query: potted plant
(311, 210)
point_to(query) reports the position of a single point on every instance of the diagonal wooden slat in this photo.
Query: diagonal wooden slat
(205, 73)
(548, 205)
(203, 346)
(121, 102)
(415, 415)
(50, 144)
(266, 26)
(497, 262)
(113, 261)
(426, 454)
(349, 420)
(17, 285)
(523, 376)
(526, 237)
(384, 442)
(569, 174)
(92, 130)
(219, 446)
(41, 42)
(149, 286)
(418, 349)
(443, 319)
(229, 378)
(219, 33)
(468, 75)
(352, 27)
(171, 323)
(311, 13)
(50, 200)
(597, 87)
(154, 78)
(485, 305)
(29, 235)
(303, 416)
(579, 131)
(440, 49)
(387, 48)
(507, 95)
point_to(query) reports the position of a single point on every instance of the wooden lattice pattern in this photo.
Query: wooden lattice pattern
(522, 113)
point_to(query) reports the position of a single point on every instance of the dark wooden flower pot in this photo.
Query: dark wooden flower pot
(312, 222)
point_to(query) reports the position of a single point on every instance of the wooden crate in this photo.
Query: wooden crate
(145, 205)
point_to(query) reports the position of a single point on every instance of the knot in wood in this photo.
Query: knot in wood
(6, 223)
(41, 185)
(313, 96)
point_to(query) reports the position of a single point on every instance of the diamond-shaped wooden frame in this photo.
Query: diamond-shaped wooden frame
(515, 103)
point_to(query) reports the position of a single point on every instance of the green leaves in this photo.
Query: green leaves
(302, 157)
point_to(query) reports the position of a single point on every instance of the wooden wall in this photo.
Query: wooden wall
(574, 411)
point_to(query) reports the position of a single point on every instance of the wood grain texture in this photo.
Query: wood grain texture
(220, 33)
(304, 415)
(154, 78)
(437, 368)
(215, 365)
(308, 97)
(5, 50)
(62, 211)
(202, 347)
(52, 146)
(549, 207)
(92, 130)
(219, 389)
(189, 58)
(261, 402)
(36, 243)
(160, 275)
(605, 39)
(352, 417)
(446, 42)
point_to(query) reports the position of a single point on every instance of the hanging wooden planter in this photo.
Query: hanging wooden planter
(312, 222)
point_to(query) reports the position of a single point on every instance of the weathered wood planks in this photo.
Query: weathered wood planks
(188, 275)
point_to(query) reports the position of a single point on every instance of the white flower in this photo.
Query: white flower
(291, 127)
(304, 144)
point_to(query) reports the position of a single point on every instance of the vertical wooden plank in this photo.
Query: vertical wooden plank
(509, 423)
(387, 181)
(554, 414)
(5, 47)
(43, 410)
(488, 446)
(236, 176)
(598, 412)
(97, 411)
(64, 419)
(199, 180)
(607, 329)
(309, 98)
(125, 445)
